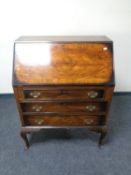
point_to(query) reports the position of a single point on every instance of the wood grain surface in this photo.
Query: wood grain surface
(85, 107)
(38, 120)
(63, 94)
(77, 63)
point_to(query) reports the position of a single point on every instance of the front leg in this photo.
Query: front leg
(24, 137)
(103, 133)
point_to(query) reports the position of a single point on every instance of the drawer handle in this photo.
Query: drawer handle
(92, 94)
(37, 108)
(88, 122)
(35, 94)
(39, 121)
(91, 108)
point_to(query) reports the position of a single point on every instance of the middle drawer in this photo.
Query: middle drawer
(87, 107)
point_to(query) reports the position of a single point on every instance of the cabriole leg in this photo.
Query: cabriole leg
(24, 137)
(103, 133)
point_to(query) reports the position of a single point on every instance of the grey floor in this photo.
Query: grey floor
(63, 152)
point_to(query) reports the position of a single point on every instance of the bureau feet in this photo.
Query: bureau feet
(103, 133)
(24, 137)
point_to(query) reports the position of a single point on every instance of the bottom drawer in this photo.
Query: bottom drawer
(40, 120)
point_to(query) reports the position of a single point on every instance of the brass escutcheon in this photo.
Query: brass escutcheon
(88, 122)
(92, 94)
(35, 94)
(91, 108)
(37, 108)
(39, 121)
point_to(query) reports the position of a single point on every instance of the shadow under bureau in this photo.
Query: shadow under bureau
(63, 82)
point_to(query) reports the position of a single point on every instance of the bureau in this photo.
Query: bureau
(63, 82)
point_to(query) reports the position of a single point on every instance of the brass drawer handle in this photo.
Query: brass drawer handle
(92, 94)
(37, 108)
(35, 94)
(88, 121)
(39, 121)
(91, 108)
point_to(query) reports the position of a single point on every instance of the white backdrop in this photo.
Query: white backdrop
(67, 17)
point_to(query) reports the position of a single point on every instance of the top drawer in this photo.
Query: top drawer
(63, 94)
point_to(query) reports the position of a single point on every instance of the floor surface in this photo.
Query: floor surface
(66, 152)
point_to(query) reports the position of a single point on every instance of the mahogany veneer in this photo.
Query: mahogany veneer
(63, 81)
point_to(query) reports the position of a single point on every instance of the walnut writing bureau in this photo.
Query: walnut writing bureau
(63, 82)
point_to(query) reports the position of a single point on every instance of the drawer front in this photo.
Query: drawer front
(38, 120)
(65, 107)
(63, 94)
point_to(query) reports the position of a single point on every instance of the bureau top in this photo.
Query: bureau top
(63, 39)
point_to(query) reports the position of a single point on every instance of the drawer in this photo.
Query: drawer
(64, 107)
(63, 94)
(44, 120)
